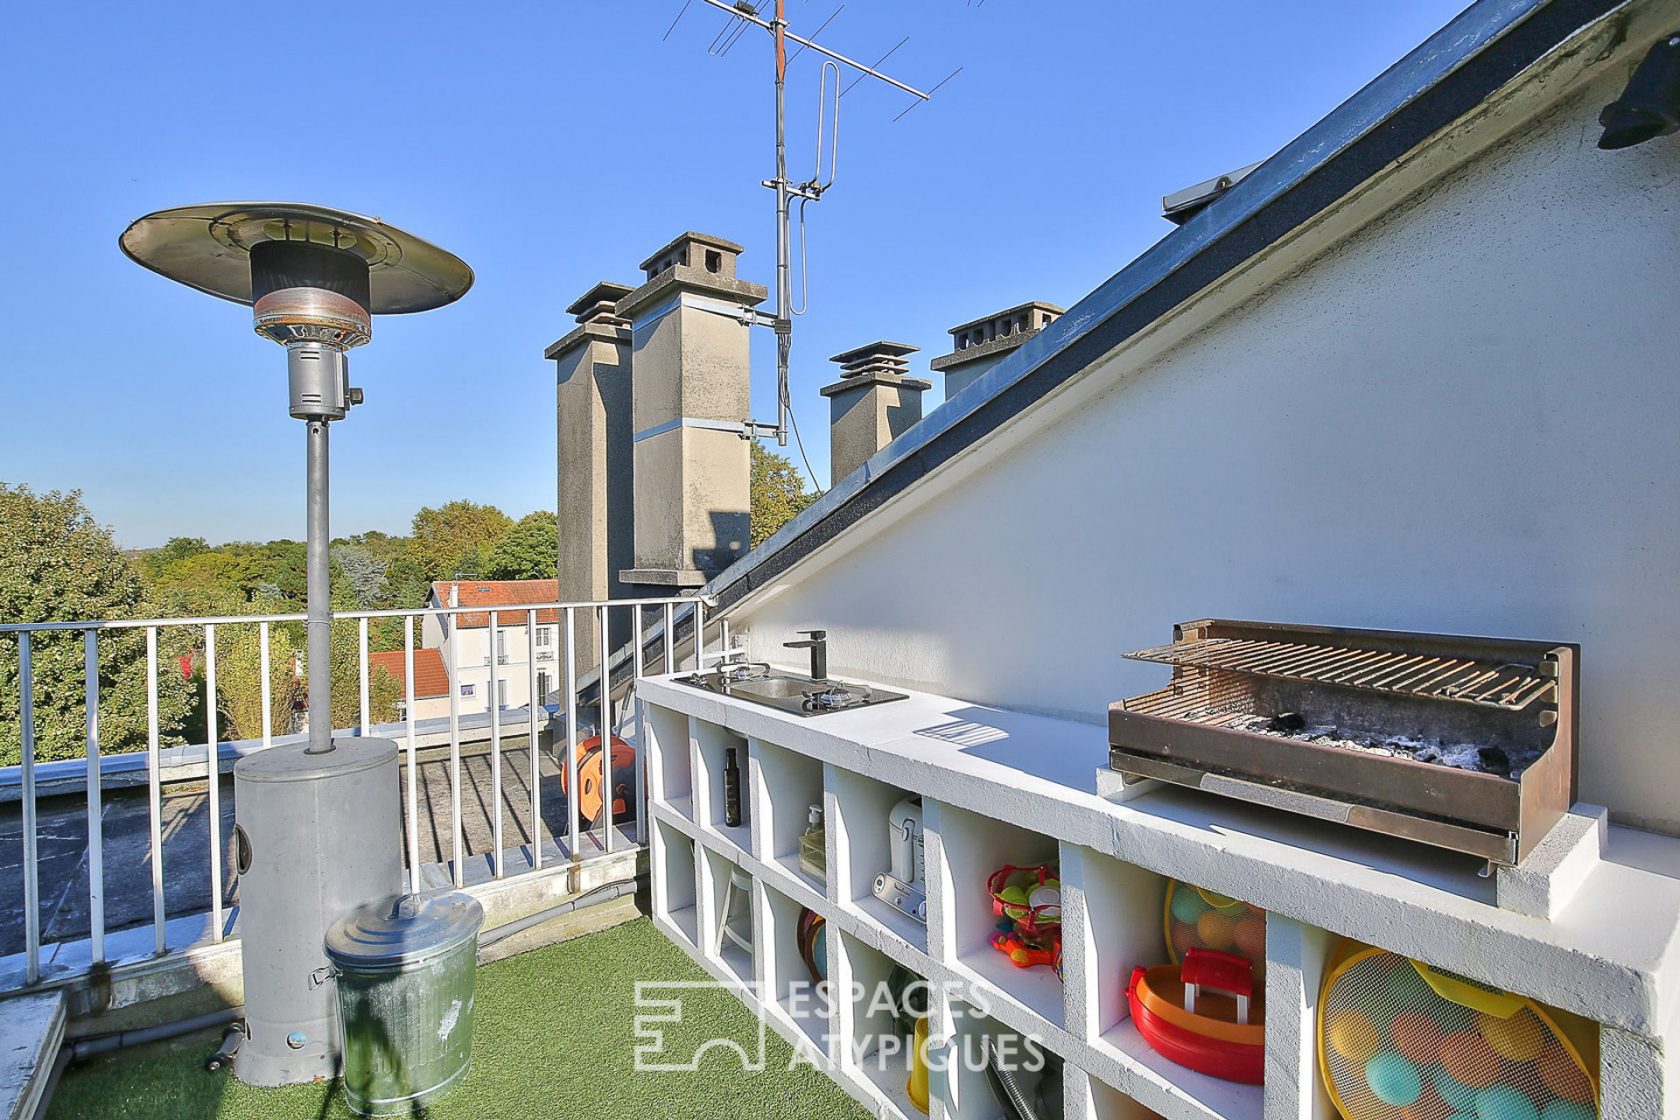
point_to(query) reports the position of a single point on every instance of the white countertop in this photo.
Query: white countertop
(1611, 955)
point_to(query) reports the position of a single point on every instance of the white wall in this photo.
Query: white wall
(473, 660)
(1464, 419)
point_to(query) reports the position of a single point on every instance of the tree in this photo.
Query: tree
(239, 677)
(363, 571)
(57, 564)
(778, 493)
(455, 537)
(530, 550)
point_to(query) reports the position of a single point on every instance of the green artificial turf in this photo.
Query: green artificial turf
(552, 1037)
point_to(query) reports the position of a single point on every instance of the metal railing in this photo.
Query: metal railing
(655, 625)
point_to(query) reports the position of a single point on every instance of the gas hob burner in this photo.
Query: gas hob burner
(743, 672)
(836, 697)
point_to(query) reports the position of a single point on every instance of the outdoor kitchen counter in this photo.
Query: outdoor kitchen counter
(1611, 955)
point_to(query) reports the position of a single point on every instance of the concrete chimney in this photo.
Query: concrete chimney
(593, 452)
(689, 367)
(874, 400)
(979, 345)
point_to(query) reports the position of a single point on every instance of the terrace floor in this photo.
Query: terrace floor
(553, 1036)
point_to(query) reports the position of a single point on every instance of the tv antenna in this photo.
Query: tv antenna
(811, 190)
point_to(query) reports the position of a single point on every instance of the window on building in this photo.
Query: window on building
(469, 690)
(501, 694)
(542, 687)
(545, 637)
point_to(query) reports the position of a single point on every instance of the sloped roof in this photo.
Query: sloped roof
(499, 593)
(430, 677)
(1447, 77)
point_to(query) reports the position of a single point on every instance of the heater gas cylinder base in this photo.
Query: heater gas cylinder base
(314, 836)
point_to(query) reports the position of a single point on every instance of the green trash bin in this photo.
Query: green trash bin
(405, 969)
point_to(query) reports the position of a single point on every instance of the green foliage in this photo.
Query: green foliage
(455, 540)
(530, 550)
(778, 493)
(57, 564)
(239, 677)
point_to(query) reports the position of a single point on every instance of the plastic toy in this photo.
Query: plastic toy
(1402, 1041)
(1196, 918)
(1028, 902)
(591, 802)
(1202, 1014)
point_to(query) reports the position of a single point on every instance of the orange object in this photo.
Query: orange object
(1418, 1037)
(1251, 935)
(591, 801)
(1470, 1059)
(1562, 1074)
(1212, 1039)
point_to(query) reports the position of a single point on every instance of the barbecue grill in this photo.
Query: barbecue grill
(1463, 743)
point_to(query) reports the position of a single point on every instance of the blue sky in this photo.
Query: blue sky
(553, 145)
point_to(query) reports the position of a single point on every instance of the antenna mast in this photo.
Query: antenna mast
(787, 190)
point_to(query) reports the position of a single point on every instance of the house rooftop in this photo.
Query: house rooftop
(498, 593)
(431, 679)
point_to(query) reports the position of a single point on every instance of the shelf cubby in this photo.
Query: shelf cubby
(712, 744)
(673, 881)
(1118, 918)
(972, 847)
(785, 785)
(862, 850)
(871, 1048)
(1103, 1102)
(965, 1088)
(791, 992)
(715, 872)
(671, 768)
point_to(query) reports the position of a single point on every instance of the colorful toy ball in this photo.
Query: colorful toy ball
(1251, 936)
(1393, 1079)
(1188, 906)
(1453, 1091)
(1470, 1060)
(1563, 1076)
(1518, 1038)
(1568, 1110)
(1216, 930)
(1418, 1037)
(1353, 1036)
(1501, 1102)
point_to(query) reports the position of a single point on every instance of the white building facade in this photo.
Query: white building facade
(486, 669)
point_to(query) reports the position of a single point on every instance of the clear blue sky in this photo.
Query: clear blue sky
(555, 144)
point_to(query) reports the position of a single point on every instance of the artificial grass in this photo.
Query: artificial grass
(553, 1036)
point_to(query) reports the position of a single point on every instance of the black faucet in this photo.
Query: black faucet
(817, 643)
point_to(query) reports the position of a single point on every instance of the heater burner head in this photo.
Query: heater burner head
(209, 247)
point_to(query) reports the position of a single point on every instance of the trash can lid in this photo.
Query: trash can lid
(403, 928)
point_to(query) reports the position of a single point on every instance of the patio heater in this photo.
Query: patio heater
(318, 825)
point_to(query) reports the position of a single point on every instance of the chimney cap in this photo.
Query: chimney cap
(1030, 305)
(604, 291)
(881, 349)
(690, 237)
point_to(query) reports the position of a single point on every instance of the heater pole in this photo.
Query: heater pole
(320, 606)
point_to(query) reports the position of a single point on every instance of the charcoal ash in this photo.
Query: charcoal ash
(1475, 757)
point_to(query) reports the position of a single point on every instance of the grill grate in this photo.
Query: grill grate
(1467, 680)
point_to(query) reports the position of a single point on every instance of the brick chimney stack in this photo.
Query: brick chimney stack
(979, 345)
(873, 402)
(688, 374)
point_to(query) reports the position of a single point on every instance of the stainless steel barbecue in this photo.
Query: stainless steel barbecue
(1464, 743)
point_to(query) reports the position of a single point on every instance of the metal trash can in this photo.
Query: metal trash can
(405, 969)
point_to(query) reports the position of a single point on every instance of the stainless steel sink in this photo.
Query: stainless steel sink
(788, 692)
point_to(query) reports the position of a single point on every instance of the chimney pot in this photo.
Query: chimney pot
(980, 344)
(872, 404)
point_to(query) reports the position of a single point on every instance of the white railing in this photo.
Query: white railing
(653, 621)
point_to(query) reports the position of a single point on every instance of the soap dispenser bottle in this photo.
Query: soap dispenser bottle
(813, 850)
(731, 789)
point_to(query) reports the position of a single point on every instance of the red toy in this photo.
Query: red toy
(1202, 1014)
(1028, 900)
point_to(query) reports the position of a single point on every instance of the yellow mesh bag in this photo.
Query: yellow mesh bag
(1202, 919)
(1398, 1040)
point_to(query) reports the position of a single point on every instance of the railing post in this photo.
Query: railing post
(603, 689)
(531, 733)
(413, 780)
(670, 639)
(213, 785)
(699, 636)
(95, 801)
(31, 865)
(362, 643)
(571, 737)
(637, 788)
(154, 785)
(495, 702)
(454, 639)
(262, 667)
